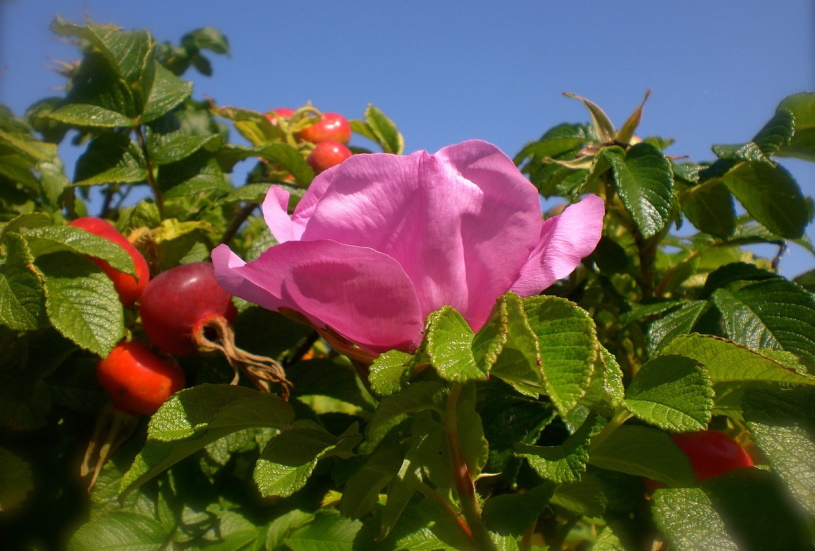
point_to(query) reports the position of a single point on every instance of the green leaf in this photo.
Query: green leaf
(672, 392)
(361, 493)
(110, 159)
(470, 430)
(418, 396)
(776, 134)
(168, 141)
(514, 514)
(80, 114)
(25, 145)
(568, 347)
(606, 383)
(289, 158)
(727, 361)
(252, 125)
(448, 344)
(390, 372)
(328, 532)
(22, 299)
(802, 143)
(740, 152)
(567, 462)
(402, 487)
(195, 417)
(385, 131)
(166, 93)
(774, 313)
(507, 347)
(120, 531)
(608, 541)
(52, 239)
(677, 322)
(206, 38)
(644, 180)
(782, 424)
(710, 209)
(688, 520)
(81, 302)
(641, 451)
(16, 480)
(287, 461)
(283, 525)
(194, 174)
(771, 196)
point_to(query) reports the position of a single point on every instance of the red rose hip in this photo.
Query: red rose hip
(129, 288)
(137, 380)
(327, 154)
(331, 127)
(712, 453)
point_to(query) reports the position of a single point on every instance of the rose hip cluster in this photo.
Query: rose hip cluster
(175, 307)
(330, 136)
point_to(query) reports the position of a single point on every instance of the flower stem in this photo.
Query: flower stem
(461, 475)
(616, 422)
(151, 180)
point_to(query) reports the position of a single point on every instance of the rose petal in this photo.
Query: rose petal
(358, 292)
(564, 241)
(461, 222)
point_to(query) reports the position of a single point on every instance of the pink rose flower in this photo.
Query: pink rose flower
(381, 241)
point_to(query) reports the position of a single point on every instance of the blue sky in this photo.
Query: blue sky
(450, 71)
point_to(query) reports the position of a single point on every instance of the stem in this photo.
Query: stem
(151, 180)
(461, 475)
(616, 422)
(431, 493)
(237, 221)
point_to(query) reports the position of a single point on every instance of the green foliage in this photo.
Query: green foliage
(535, 431)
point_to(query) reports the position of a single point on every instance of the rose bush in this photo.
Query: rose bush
(381, 241)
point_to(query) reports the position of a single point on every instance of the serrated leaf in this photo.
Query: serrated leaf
(168, 141)
(385, 131)
(361, 493)
(390, 371)
(608, 541)
(328, 532)
(802, 143)
(120, 531)
(252, 125)
(166, 92)
(195, 417)
(417, 396)
(53, 239)
(79, 114)
(81, 302)
(677, 322)
(586, 497)
(25, 145)
(110, 158)
(567, 462)
(606, 383)
(726, 361)
(290, 159)
(287, 461)
(774, 313)
(771, 196)
(740, 152)
(644, 181)
(199, 172)
(671, 392)
(513, 514)
(22, 298)
(689, 522)
(568, 347)
(782, 424)
(16, 480)
(710, 209)
(642, 451)
(448, 343)
(507, 347)
(776, 133)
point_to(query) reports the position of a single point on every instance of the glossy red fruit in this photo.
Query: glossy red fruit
(180, 302)
(712, 453)
(137, 380)
(280, 112)
(129, 288)
(331, 127)
(327, 154)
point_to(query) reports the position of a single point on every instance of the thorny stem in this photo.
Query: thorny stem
(462, 477)
(151, 180)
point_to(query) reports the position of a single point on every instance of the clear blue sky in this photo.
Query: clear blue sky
(446, 71)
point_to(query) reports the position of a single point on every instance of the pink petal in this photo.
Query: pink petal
(461, 222)
(564, 241)
(360, 293)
